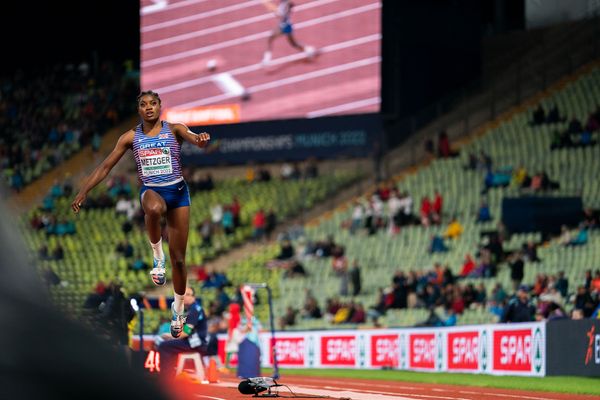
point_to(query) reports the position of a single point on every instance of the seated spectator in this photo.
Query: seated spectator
(590, 218)
(359, 316)
(311, 309)
(496, 179)
(483, 214)
(259, 222)
(426, 210)
(58, 253)
(530, 252)
(270, 223)
(437, 245)
(206, 184)
(554, 115)
(518, 177)
(293, 268)
(205, 230)
(312, 170)
(357, 217)
(454, 230)
(581, 238)
(289, 318)
(468, 266)
(539, 116)
(139, 265)
(472, 162)
(575, 126)
(565, 236)
(227, 221)
(436, 209)
(125, 248)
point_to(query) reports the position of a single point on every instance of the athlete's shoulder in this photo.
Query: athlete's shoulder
(127, 136)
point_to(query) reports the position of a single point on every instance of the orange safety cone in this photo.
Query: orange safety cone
(213, 374)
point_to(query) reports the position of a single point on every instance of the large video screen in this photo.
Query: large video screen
(229, 61)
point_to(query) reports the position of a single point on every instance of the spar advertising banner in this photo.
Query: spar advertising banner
(502, 349)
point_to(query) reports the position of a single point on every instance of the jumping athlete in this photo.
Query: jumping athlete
(156, 148)
(283, 13)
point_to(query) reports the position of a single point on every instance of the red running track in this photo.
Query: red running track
(357, 389)
(179, 39)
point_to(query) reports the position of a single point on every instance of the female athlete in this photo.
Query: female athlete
(156, 148)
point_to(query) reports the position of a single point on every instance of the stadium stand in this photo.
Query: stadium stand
(513, 144)
(48, 115)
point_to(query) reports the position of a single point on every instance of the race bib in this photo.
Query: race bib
(156, 161)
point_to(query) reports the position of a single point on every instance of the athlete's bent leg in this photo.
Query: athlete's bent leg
(154, 207)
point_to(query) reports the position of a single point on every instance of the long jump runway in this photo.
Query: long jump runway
(180, 37)
(356, 389)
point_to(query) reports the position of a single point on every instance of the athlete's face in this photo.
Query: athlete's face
(149, 108)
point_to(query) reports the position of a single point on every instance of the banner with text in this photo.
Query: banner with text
(293, 140)
(512, 349)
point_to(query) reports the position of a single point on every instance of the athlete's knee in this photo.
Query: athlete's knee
(179, 263)
(153, 210)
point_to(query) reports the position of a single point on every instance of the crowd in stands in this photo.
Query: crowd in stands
(47, 115)
(439, 290)
(577, 134)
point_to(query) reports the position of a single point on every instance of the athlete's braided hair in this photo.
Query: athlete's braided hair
(151, 93)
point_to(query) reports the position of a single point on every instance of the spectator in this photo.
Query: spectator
(454, 230)
(425, 212)
(259, 223)
(227, 221)
(205, 230)
(468, 266)
(58, 253)
(289, 318)
(357, 217)
(355, 278)
(539, 116)
(483, 214)
(312, 170)
(270, 223)
(530, 252)
(359, 316)
(444, 148)
(311, 308)
(519, 309)
(562, 284)
(437, 245)
(554, 115)
(438, 202)
(565, 236)
(581, 238)
(125, 248)
(517, 267)
(585, 302)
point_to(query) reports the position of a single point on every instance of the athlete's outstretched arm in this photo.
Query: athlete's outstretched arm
(182, 131)
(124, 143)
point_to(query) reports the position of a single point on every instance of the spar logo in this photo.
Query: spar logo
(422, 351)
(463, 351)
(593, 350)
(338, 350)
(290, 351)
(513, 350)
(384, 350)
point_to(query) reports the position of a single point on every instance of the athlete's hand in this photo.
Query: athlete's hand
(202, 139)
(76, 204)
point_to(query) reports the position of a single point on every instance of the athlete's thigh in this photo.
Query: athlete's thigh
(178, 225)
(152, 201)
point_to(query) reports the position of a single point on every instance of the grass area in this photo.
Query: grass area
(562, 384)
